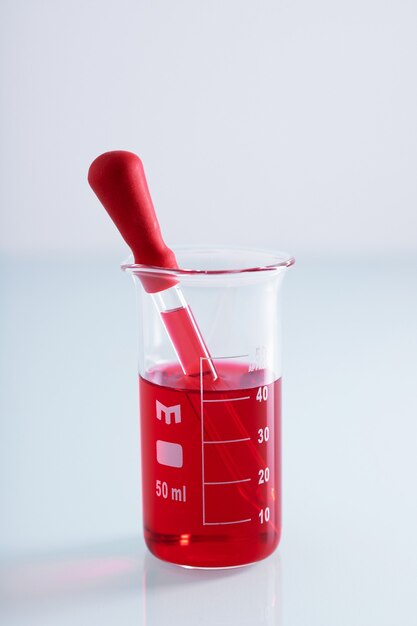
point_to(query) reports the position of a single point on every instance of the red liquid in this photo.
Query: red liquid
(187, 341)
(211, 465)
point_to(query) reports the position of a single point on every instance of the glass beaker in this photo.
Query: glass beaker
(211, 440)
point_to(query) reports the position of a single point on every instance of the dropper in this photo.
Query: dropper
(118, 179)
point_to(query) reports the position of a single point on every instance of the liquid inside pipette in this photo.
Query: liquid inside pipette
(183, 332)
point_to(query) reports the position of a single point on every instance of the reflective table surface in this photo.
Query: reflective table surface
(70, 527)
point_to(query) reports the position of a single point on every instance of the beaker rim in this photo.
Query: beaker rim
(258, 260)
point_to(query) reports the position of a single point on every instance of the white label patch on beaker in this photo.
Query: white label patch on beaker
(168, 453)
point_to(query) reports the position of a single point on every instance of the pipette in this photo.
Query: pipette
(118, 179)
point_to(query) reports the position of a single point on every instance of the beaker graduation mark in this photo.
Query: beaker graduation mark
(218, 484)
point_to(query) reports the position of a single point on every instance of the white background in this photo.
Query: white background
(278, 124)
(285, 125)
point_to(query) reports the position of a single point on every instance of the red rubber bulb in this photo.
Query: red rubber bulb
(118, 180)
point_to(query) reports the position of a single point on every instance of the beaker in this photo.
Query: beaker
(211, 440)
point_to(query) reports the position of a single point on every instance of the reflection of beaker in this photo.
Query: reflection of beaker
(248, 597)
(211, 443)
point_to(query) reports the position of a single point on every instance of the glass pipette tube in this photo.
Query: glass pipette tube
(183, 332)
